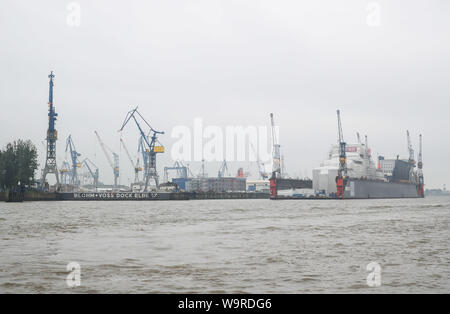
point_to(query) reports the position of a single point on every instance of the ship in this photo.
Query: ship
(389, 178)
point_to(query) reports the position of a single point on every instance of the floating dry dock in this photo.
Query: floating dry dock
(157, 196)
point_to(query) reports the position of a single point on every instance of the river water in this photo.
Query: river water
(226, 246)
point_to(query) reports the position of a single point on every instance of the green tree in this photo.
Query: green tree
(18, 163)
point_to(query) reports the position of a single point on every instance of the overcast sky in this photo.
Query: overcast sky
(231, 62)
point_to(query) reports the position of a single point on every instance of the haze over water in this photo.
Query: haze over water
(229, 246)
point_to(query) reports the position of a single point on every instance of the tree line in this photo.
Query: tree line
(18, 164)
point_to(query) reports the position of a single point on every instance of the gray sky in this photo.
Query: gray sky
(231, 63)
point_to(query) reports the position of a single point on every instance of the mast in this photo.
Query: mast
(52, 136)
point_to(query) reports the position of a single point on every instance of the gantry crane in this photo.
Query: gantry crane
(114, 165)
(420, 185)
(341, 179)
(149, 145)
(94, 174)
(74, 158)
(135, 165)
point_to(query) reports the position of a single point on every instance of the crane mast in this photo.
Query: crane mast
(114, 165)
(52, 136)
(341, 179)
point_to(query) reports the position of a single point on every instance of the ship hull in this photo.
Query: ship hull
(363, 189)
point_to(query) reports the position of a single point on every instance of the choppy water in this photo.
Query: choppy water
(230, 246)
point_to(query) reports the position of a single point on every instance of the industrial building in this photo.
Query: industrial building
(218, 185)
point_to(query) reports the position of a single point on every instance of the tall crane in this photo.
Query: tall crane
(52, 136)
(114, 165)
(276, 156)
(341, 179)
(74, 158)
(420, 185)
(135, 165)
(94, 174)
(150, 142)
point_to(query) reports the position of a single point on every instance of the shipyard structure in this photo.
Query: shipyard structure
(349, 171)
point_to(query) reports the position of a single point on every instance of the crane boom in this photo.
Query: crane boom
(133, 164)
(128, 153)
(114, 165)
(104, 150)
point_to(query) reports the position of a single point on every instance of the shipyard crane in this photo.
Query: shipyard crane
(276, 164)
(261, 167)
(341, 179)
(410, 149)
(149, 144)
(52, 136)
(135, 165)
(223, 169)
(114, 165)
(182, 171)
(94, 174)
(74, 158)
(420, 186)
